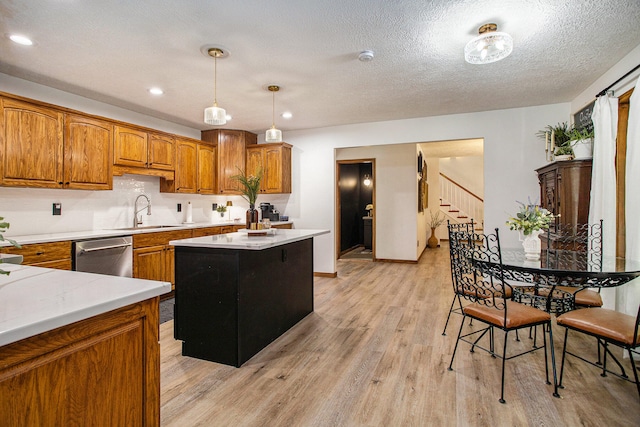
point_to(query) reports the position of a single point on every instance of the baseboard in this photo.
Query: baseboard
(330, 275)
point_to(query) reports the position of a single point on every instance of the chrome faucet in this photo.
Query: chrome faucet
(136, 221)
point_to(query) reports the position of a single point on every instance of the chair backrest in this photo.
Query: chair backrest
(459, 265)
(486, 284)
(583, 241)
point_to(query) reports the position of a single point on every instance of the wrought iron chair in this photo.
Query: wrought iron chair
(490, 304)
(584, 242)
(609, 327)
(458, 265)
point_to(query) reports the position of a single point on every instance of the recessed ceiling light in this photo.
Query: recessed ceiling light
(287, 115)
(156, 91)
(25, 41)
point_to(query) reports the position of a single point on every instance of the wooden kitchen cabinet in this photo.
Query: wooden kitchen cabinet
(147, 153)
(231, 156)
(275, 162)
(49, 255)
(565, 188)
(87, 153)
(195, 166)
(104, 371)
(31, 150)
(153, 257)
(207, 231)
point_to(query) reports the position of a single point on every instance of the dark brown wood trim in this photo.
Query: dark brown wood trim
(329, 275)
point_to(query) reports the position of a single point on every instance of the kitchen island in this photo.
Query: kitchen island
(236, 293)
(78, 348)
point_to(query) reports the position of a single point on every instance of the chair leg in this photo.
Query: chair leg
(635, 371)
(456, 346)
(504, 359)
(444, 331)
(564, 354)
(553, 361)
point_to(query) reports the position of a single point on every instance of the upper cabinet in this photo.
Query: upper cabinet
(231, 156)
(195, 166)
(145, 153)
(275, 162)
(43, 147)
(87, 153)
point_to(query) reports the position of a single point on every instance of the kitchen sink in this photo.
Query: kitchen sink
(146, 227)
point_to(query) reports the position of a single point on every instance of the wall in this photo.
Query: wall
(512, 152)
(466, 171)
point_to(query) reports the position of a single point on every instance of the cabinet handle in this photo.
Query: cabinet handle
(39, 253)
(61, 183)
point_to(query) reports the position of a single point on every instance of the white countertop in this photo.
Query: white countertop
(241, 240)
(93, 234)
(34, 300)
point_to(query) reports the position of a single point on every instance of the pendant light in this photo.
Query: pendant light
(273, 134)
(215, 115)
(490, 46)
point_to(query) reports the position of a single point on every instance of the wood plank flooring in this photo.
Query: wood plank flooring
(372, 354)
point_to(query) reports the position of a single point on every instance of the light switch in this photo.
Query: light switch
(57, 208)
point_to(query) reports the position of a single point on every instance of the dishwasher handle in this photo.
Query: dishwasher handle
(102, 248)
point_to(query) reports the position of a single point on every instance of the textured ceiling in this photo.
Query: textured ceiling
(113, 51)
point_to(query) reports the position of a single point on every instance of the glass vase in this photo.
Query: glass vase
(252, 217)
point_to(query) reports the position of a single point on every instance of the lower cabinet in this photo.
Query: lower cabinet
(102, 371)
(49, 255)
(153, 256)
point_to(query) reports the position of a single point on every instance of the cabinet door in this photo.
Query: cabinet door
(256, 163)
(206, 169)
(161, 154)
(32, 141)
(231, 159)
(87, 153)
(130, 147)
(207, 231)
(149, 263)
(186, 164)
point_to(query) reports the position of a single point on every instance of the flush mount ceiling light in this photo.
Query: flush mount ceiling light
(273, 134)
(215, 115)
(490, 46)
(17, 38)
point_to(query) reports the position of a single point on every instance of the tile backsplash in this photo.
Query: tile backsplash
(29, 210)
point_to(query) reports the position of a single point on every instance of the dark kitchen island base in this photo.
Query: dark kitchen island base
(231, 303)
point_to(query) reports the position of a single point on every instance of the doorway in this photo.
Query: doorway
(355, 225)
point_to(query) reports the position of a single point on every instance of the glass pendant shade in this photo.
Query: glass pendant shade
(215, 115)
(490, 46)
(273, 135)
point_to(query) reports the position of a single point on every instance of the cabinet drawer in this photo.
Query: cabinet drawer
(42, 252)
(159, 238)
(207, 231)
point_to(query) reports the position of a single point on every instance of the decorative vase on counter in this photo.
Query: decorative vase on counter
(433, 240)
(532, 245)
(582, 148)
(252, 217)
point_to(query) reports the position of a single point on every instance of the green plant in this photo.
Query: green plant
(221, 208)
(531, 217)
(579, 134)
(560, 135)
(3, 228)
(436, 220)
(250, 185)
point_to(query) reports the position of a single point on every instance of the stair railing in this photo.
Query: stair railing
(462, 199)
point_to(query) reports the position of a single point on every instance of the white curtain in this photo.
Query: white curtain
(630, 298)
(603, 178)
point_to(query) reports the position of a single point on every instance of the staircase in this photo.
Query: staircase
(459, 204)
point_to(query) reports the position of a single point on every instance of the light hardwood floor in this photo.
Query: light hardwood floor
(372, 354)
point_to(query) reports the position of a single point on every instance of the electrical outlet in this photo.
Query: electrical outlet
(179, 207)
(214, 206)
(57, 208)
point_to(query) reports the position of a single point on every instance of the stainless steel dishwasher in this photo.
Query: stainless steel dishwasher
(112, 256)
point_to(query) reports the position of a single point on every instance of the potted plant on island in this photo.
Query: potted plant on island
(531, 220)
(581, 141)
(250, 188)
(435, 221)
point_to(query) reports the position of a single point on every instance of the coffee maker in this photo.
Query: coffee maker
(269, 212)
